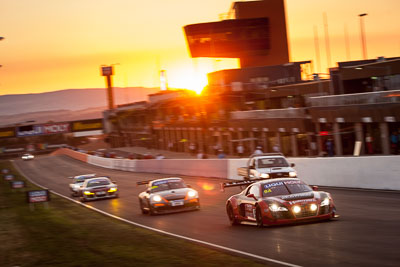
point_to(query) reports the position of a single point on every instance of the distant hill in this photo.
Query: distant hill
(70, 99)
(54, 115)
(65, 105)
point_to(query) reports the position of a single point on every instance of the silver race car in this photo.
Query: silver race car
(98, 188)
(167, 195)
(77, 182)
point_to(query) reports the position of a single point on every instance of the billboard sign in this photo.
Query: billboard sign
(38, 196)
(87, 125)
(56, 128)
(9, 177)
(17, 184)
(7, 132)
(107, 71)
(29, 130)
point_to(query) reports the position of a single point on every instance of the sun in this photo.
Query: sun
(193, 76)
(199, 81)
(190, 80)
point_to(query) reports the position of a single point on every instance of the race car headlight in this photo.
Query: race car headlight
(296, 209)
(112, 189)
(88, 193)
(325, 202)
(264, 175)
(313, 207)
(292, 174)
(275, 207)
(156, 198)
(192, 193)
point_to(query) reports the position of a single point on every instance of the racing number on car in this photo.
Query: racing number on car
(267, 191)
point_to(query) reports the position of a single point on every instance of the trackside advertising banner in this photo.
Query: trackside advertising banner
(45, 129)
(56, 128)
(87, 125)
(37, 196)
(7, 132)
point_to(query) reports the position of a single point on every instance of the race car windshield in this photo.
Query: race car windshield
(167, 185)
(284, 188)
(98, 183)
(296, 186)
(272, 162)
(274, 189)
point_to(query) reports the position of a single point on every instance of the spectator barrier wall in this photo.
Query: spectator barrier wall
(373, 172)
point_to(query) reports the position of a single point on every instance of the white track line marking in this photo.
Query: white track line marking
(164, 232)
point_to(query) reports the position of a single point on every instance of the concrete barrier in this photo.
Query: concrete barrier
(374, 172)
(71, 153)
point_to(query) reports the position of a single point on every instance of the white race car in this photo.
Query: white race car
(27, 156)
(77, 182)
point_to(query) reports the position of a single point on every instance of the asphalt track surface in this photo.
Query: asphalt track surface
(366, 234)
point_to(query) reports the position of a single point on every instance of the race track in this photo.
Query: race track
(366, 234)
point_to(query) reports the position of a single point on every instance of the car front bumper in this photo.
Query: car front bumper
(192, 204)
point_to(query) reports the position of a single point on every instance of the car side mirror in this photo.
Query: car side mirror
(315, 188)
(251, 196)
(292, 165)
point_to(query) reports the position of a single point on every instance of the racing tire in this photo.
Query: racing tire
(231, 215)
(82, 199)
(151, 210)
(142, 207)
(259, 217)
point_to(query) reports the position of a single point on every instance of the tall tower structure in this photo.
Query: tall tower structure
(257, 35)
(274, 10)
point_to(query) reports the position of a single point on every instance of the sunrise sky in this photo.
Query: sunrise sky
(51, 45)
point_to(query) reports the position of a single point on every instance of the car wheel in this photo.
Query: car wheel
(142, 207)
(231, 214)
(151, 211)
(259, 217)
(83, 199)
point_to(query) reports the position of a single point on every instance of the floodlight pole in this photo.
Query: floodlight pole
(363, 39)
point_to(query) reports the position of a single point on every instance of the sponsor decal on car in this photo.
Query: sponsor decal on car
(301, 201)
(293, 182)
(297, 196)
(269, 185)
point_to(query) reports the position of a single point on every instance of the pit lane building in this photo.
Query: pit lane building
(268, 102)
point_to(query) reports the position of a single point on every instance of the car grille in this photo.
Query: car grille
(179, 197)
(97, 189)
(323, 210)
(282, 215)
(306, 212)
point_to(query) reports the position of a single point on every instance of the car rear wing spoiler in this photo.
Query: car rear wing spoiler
(239, 183)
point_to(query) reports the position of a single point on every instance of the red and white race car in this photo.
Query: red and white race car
(278, 201)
